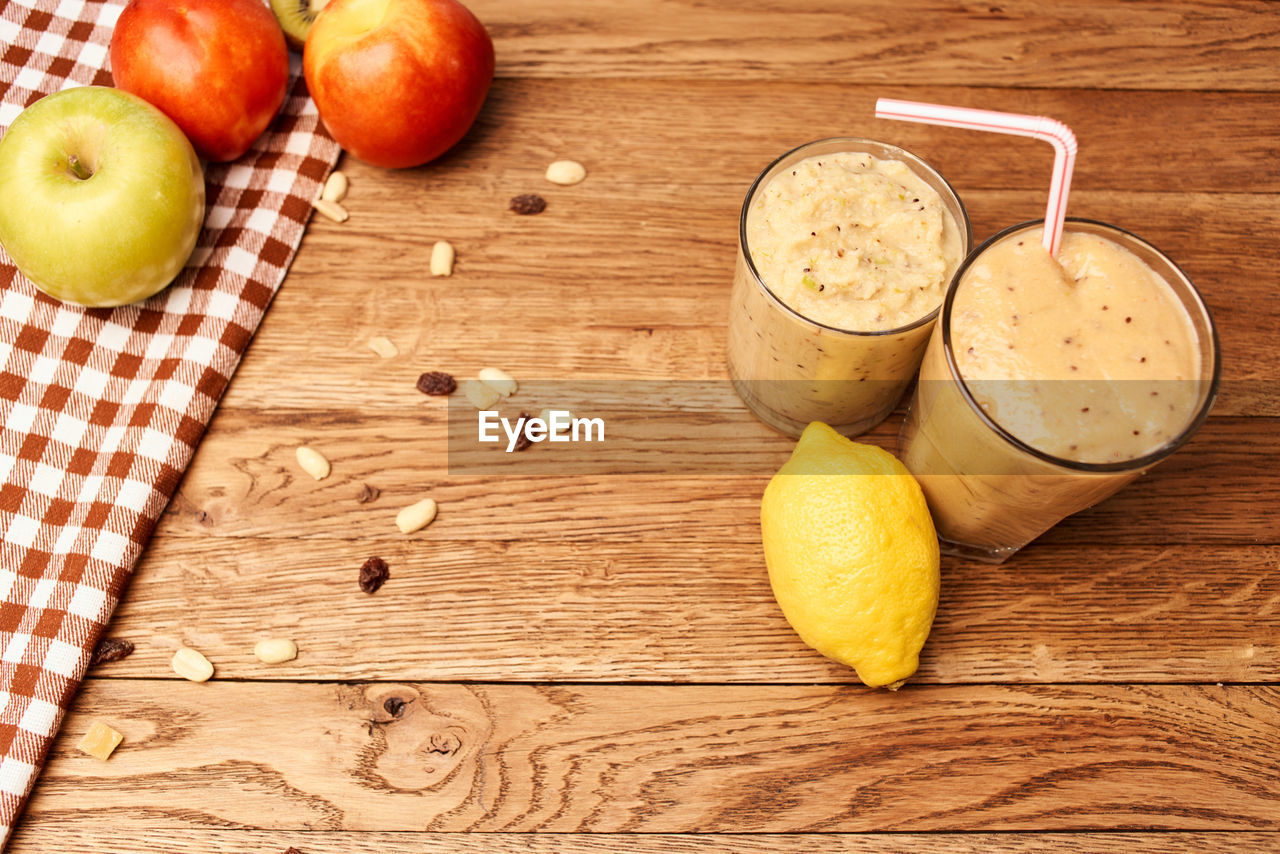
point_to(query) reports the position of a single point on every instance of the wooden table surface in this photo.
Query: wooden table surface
(596, 664)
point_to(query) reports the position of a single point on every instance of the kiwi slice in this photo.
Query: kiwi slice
(296, 17)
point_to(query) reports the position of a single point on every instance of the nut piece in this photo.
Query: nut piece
(437, 383)
(100, 741)
(373, 573)
(415, 517)
(545, 415)
(566, 172)
(498, 380)
(332, 210)
(384, 347)
(111, 649)
(528, 203)
(335, 189)
(368, 493)
(313, 462)
(482, 396)
(190, 664)
(275, 650)
(522, 440)
(442, 256)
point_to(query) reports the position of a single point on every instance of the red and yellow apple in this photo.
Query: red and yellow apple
(398, 82)
(219, 68)
(101, 196)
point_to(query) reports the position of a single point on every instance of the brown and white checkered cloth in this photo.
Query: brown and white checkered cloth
(101, 410)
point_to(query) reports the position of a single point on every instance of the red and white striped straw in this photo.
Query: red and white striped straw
(1037, 127)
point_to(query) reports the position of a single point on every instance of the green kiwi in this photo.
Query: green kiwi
(296, 17)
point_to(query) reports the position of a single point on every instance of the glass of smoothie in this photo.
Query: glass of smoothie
(1049, 384)
(845, 247)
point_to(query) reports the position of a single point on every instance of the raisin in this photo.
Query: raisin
(368, 493)
(111, 649)
(522, 441)
(373, 574)
(437, 383)
(528, 203)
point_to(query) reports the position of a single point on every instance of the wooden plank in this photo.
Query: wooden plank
(666, 759)
(683, 613)
(662, 313)
(664, 137)
(661, 319)
(72, 835)
(1173, 45)
(246, 482)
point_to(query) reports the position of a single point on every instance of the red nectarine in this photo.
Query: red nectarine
(398, 82)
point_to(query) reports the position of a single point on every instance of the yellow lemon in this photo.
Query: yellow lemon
(852, 554)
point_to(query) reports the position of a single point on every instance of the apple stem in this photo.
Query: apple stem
(77, 168)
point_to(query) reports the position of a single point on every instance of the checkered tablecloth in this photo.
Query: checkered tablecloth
(101, 410)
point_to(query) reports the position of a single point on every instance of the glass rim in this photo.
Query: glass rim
(1150, 458)
(966, 232)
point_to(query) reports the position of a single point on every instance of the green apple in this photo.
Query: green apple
(101, 196)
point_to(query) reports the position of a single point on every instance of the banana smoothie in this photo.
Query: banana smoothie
(846, 249)
(1077, 375)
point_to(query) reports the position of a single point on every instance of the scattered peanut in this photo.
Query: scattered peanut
(566, 172)
(313, 462)
(498, 380)
(545, 415)
(190, 664)
(275, 650)
(332, 210)
(481, 395)
(442, 256)
(415, 517)
(335, 189)
(100, 741)
(384, 347)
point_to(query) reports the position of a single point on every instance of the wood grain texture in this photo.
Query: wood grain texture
(664, 319)
(1173, 45)
(672, 612)
(36, 837)
(245, 482)
(634, 758)
(593, 664)
(664, 137)
(637, 260)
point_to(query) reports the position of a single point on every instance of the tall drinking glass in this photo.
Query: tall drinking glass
(791, 369)
(978, 445)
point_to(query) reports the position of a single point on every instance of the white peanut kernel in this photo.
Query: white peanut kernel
(332, 210)
(417, 516)
(566, 172)
(335, 189)
(275, 650)
(442, 256)
(545, 415)
(479, 394)
(313, 462)
(498, 380)
(190, 664)
(384, 347)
